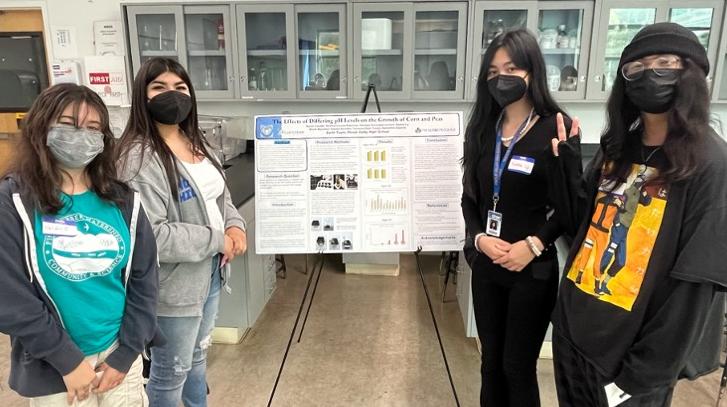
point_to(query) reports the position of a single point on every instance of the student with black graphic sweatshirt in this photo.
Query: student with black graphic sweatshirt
(646, 268)
(506, 206)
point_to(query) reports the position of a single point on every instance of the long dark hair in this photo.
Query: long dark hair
(525, 53)
(141, 130)
(688, 128)
(37, 169)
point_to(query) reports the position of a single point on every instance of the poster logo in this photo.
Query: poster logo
(268, 127)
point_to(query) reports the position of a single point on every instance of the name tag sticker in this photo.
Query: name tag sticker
(59, 227)
(523, 165)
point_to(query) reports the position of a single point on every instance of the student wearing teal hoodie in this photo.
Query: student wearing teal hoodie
(164, 155)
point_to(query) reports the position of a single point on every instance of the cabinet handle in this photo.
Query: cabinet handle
(598, 78)
(243, 78)
(460, 78)
(584, 78)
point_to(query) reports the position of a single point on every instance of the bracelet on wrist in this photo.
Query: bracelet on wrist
(533, 247)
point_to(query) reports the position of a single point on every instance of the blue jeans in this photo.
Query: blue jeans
(178, 369)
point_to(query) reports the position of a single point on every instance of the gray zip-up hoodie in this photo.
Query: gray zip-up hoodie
(185, 240)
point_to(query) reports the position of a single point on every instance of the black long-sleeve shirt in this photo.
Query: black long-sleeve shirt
(525, 201)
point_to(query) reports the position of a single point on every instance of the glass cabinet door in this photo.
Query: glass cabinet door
(209, 61)
(321, 51)
(564, 38)
(157, 31)
(491, 19)
(267, 63)
(720, 70)
(382, 50)
(439, 37)
(620, 22)
(703, 18)
(698, 20)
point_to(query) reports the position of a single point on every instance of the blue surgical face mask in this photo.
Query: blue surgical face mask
(72, 147)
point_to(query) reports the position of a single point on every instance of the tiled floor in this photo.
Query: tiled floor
(369, 341)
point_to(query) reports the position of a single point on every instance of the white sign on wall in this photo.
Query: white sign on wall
(65, 43)
(386, 182)
(107, 38)
(106, 75)
(65, 72)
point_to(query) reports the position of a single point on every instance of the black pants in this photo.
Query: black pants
(579, 384)
(511, 323)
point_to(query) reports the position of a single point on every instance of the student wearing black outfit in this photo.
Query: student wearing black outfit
(646, 269)
(510, 234)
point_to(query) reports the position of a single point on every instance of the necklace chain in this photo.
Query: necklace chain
(646, 159)
(527, 124)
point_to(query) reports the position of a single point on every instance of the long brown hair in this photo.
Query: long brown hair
(37, 169)
(141, 129)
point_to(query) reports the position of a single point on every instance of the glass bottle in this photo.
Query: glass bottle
(263, 78)
(252, 81)
(221, 34)
(563, 40)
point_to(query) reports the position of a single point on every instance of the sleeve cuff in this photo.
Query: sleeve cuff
(629, 383)
(543, 239)
(239, 223)
(66, 359)
(122, 358)
(477, 237)
(219, 237)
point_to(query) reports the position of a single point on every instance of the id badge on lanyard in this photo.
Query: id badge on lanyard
(494, 218)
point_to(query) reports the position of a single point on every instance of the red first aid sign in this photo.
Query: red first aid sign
(99, 78)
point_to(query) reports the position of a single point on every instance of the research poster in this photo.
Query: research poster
(382, 182)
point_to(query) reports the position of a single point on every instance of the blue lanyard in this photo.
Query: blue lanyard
(498, 166)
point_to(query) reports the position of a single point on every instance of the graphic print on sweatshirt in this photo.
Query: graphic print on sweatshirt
(612, 260)
(186, 192)
(94, 250)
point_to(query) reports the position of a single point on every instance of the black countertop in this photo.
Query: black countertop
(240, 173)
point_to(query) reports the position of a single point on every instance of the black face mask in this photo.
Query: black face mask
(653, 93)
(170, 107)
(506, 89)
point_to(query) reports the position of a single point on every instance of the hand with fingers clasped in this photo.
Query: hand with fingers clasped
(575, 130)
(108, 379)
(79, 382)
(517, 258)
(492, 247)
(239, 241)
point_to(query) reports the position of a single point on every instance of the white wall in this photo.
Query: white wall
(82, 13)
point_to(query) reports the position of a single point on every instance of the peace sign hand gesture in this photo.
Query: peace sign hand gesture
(574, 131)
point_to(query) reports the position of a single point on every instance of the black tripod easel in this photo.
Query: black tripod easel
(371, 89)
(318, 268)
(448, 268)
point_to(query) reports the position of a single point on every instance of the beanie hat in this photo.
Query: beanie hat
(665, 38)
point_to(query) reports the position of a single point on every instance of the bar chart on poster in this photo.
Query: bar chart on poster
(382, 182)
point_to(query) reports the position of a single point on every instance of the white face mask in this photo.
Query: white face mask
(74, 148)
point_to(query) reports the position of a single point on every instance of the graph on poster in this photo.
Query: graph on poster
(387, 235)
(386, 203)
(356, 183)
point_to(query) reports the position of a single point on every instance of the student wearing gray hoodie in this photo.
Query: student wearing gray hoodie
(164, 156)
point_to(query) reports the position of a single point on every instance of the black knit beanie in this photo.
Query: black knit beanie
(665, 38)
